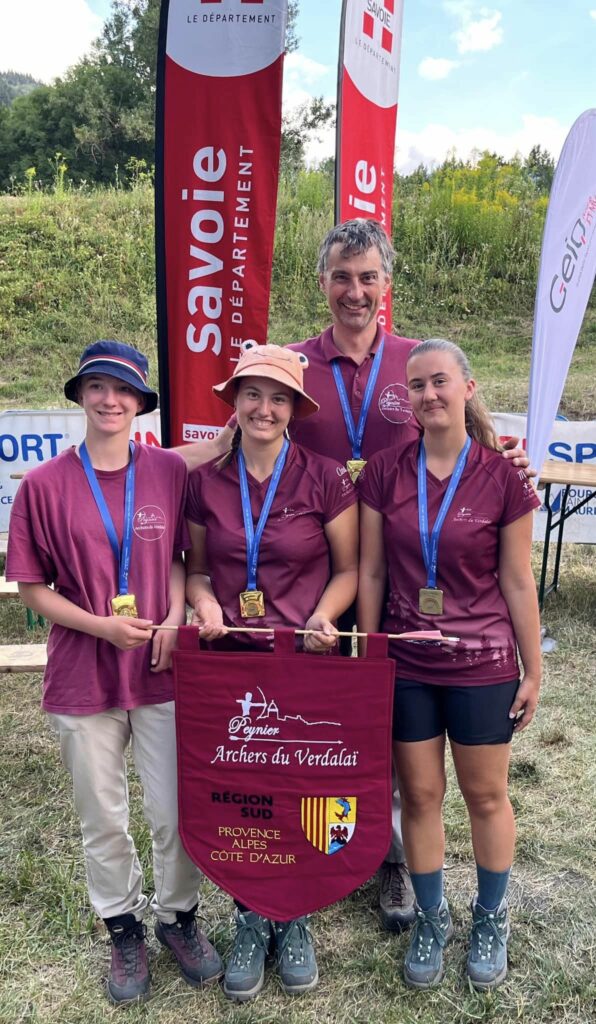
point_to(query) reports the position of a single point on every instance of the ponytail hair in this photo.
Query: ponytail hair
(478, 420)
(227, 458)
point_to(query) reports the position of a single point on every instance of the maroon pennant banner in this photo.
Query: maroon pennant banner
(218, 136)
(284, 766)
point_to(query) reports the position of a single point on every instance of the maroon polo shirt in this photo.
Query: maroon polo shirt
(57, 536)
(294, 564)
(390, 420)
(492, 493)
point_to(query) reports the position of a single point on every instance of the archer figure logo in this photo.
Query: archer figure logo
(378, 19)
(328, 822)
(262, 720)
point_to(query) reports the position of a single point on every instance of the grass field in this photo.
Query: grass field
(74, 268)
(53, 956)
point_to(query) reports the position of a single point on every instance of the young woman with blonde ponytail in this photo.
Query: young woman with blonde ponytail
(446, 530)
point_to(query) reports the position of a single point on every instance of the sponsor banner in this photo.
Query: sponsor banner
(368, 82)
(28, 438)
(569, 442)
(218, 137)
(565, 279)
(284, 766)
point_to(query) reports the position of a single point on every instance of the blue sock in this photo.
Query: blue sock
(492, 886)
(428, 888)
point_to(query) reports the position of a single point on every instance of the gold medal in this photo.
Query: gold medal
(125, 604)
(252, 604)
(430, 601)
(354, 468)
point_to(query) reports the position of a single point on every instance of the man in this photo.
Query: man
(355, 268)
(354, 421)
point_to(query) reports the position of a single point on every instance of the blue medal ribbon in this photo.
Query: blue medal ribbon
(253, 537)
(122, 556)
(430, 548)
(356, 434)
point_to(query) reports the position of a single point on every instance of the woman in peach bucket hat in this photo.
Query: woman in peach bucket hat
(274, 544)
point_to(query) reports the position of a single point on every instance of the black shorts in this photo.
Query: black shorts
(471, 715)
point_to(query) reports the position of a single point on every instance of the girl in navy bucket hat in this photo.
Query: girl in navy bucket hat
(96, 541)
(118, 360)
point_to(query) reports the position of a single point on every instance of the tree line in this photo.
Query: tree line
(96, 124)
(98, 120)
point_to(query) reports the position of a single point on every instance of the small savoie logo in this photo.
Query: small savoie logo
(328, 822)
(149, 522)
(394, 404)
(376, 21)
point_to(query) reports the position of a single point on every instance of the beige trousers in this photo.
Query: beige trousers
(93, 750)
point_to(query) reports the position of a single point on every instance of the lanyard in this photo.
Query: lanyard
(122, 556)
(356, 434)
(430, 549)
(253, 537)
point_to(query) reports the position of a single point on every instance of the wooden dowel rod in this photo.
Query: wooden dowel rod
(306, 632)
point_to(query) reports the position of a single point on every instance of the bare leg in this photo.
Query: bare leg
(482, 776)
(421, 774)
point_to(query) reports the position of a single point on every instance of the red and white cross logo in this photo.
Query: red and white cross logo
(368, 23)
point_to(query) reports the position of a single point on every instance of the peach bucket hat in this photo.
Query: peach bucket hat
(275, 363)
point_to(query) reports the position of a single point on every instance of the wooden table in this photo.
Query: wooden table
(23, 658)
(570, 474)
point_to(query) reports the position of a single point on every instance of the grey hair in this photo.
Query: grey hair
(479, 423)
(355, 237)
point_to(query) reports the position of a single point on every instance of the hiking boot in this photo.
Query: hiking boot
(245, 972)
(423, 965)
(396, 897)
(487, 959)
(199, 963)
(296, 961)
(128, 980)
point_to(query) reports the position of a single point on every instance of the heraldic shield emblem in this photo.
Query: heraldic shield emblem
(328, 822)
(284, 770)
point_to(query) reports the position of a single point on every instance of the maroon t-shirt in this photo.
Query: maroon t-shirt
(390, 419)
(57, 536)
(492, 493)
(294, 563)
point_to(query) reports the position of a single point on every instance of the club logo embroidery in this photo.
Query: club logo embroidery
(465, 514)
(328, 822)
(149, 522)
(394, 404)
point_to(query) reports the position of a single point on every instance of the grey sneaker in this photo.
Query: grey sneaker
(423, 965)
(199, 963)
(487, 959)
(396, 897)
(128, 980)
(296, 961)
(245, 972)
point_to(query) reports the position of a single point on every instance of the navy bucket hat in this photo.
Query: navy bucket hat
(118, 360)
